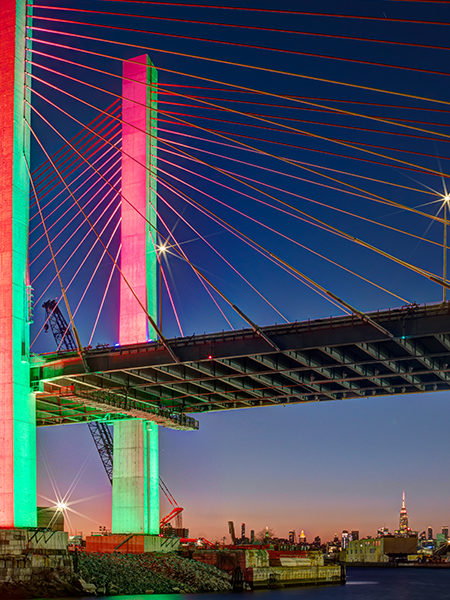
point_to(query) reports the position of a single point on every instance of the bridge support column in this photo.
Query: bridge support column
(135, 494)
(135, 504)
(17, 405)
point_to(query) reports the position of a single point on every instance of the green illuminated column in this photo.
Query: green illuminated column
(135, 501)
(17, 405)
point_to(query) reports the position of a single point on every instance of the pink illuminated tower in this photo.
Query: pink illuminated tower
(139, 148)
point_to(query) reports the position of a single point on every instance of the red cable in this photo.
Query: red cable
(182, 252)
(78, 269)
(73, 181)
(75, 274)
(250, 115)
(297, 164)
(163, 92)
(180, 216)
(284, 174)
(159, 196)
(72, 140)
(315, 222)
(94, 151)
(88, 285)
(238, 26)
(287, 127)
(172, 303)
(283, 12)
(301, 147)
(227, 43)
(273, 230)
(328, 111)
(178, 133)
(229, 85)
(180, 249)
(113, 267)
(346, 184)
(249, 137)
(62, 202)
(77, 166)
(75, 231)
(66, 211)
(292, 273)
(89, 143)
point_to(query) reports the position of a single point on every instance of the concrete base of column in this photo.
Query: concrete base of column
(135, 492)
(127, 544)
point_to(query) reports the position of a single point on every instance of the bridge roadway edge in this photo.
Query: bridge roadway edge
(225, 370)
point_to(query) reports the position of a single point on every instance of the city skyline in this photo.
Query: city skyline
(209, 504)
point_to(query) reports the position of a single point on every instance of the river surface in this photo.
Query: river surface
(362, 584)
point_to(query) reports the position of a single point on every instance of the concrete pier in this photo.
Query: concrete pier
(135, 494)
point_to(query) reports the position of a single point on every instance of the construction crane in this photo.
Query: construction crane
(60, 329)
(103, 440)
(101, 433)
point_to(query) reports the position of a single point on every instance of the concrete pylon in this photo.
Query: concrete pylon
(138, 259)
(135, 498)
(17, 403)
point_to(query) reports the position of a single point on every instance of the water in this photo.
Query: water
(362, 584)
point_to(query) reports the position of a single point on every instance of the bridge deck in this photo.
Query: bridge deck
(324, 359)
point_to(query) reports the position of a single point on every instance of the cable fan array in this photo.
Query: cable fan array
(300, 169)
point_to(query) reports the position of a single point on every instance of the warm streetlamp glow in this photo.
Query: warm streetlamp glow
(61, 506)
(162, 248)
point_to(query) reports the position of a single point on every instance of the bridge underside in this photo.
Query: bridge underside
(326, 359)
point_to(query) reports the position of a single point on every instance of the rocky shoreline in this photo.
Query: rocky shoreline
(149, 573)
(117, 574)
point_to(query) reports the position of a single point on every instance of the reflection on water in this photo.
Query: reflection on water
(362, 584)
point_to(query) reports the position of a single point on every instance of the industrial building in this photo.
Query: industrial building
(379, 550)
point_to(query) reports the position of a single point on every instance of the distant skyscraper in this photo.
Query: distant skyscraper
(344, 539)
(242, 531)
(355, 535)
(445, 531)
(252, 536)
(429, 533)
(403, 523)
(302, 538)
(292, 537)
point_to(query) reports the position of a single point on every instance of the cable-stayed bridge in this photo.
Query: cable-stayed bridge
(326, 198)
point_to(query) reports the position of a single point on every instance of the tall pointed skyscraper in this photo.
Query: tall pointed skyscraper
(403, 524)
